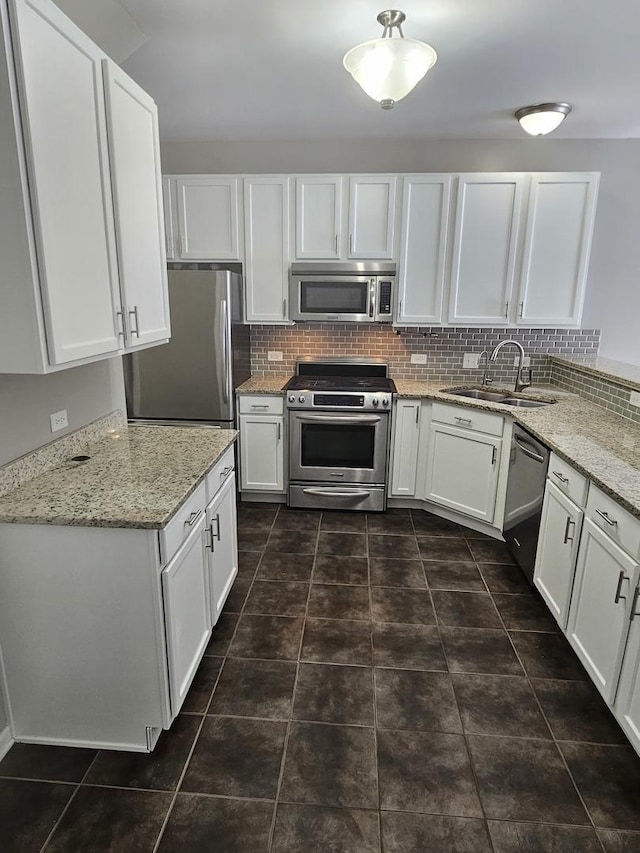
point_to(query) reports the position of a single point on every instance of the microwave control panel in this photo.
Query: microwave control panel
(384, 298)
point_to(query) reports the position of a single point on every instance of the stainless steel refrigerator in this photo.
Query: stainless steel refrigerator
(193, 377)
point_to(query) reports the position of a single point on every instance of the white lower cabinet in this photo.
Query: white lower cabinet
(462, 470)
(627, 706)
(222, 545)
(560, 528)
(406, 445)
(117, 623)
(603, 592)
(261, 424)
(187, 613)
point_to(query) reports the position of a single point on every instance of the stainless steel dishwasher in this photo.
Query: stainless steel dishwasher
(528, 465)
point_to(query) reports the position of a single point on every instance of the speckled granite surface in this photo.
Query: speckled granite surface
(31, 465)
(263, 385)
(627, 375)
(138, 477)
(599, 444)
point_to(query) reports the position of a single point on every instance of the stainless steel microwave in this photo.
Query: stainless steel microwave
(362, 292)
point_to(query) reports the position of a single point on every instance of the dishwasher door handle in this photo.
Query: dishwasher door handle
(527, 450)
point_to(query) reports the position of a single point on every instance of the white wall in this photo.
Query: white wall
(3, 714)
(613, 294)
(26, 402)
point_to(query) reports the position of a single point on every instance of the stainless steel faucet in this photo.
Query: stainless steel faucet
(520, 384)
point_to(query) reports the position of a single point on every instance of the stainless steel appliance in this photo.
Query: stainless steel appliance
(346, 293)
(528, 465)
(192, 378)
(339, 421)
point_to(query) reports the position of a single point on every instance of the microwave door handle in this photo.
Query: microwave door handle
(372, 298)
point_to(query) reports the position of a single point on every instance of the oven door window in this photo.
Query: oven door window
(329, 297)
(337, 446)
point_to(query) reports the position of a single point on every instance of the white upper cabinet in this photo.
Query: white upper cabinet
(137, 195)
(372, 211)
(266, 222)
(69, 211)
(560, 219)
(484, 248)
(82, 240)
(318, 217)
(208, 217)
(423, 243)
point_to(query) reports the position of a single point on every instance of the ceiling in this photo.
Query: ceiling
(272, 69)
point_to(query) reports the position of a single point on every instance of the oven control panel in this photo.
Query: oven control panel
(369, 401)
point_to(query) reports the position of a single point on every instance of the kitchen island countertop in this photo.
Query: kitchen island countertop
(137, 477)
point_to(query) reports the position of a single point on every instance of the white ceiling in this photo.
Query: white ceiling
(272, 69)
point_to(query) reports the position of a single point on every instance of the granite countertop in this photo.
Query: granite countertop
(598, 443)
(601, 445)
(137, 477)
(263, 385)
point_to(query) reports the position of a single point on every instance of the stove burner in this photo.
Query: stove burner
(340, 383)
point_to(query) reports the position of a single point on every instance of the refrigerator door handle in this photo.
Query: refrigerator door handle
(224, 333)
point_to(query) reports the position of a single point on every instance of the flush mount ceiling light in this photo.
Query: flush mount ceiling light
(541, 119)
(388, 68)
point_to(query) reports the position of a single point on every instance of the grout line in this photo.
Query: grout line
(551, 732)
(285, 746)
(71, 799)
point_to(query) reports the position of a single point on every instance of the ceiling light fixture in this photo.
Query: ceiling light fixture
(540, 119)
(388, 68)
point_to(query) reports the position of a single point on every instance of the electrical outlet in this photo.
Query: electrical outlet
(274, 355)
(471, 359)
(418, 358)
(526, 361)
(634, 398)
(59, 420)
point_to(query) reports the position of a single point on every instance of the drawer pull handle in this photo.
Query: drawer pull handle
(570, 521)
(259, 405)
(635, 604)
(193, 518)
(464, 420)
(618, 596)
(603, 515)
(226, 471)
(560, 477)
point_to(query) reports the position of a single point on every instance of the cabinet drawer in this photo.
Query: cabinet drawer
(182, 523)
(260, 404)
(567, 479)
(617, 523)
(218, 475)
(468, 418)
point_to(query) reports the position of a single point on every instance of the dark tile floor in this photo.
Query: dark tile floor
(383, 683)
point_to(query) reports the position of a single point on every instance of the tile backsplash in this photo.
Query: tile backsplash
(604, 391)
(444, 348)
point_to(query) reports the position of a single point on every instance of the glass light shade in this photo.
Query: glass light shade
(389, 68)
(543, 121)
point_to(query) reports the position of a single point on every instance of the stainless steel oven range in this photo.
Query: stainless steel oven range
(339, 424)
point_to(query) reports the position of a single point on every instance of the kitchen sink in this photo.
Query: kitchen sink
(526, 404)
(476, 394)
(496, 397)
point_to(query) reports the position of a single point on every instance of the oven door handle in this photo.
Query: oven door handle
(339, 419)
(338, 493)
